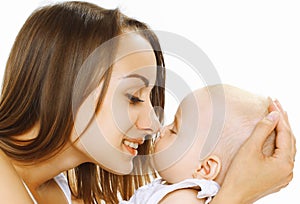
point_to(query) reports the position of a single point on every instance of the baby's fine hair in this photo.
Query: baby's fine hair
(243, 110)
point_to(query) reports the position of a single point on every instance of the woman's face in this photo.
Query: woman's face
(126, 115)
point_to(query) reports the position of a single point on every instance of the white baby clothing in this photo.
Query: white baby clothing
(154, 192)
(62, 182)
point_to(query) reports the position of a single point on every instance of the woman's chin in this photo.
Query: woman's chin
(121, 171)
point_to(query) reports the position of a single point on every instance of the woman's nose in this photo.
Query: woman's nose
(148, 121)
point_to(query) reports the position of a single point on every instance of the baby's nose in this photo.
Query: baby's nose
(163, 131)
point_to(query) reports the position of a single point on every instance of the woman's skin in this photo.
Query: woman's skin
(250, 161)
(239, 187)
(133, 76)
(39, 176)
(128, 114)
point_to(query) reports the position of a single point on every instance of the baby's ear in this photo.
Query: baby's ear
(209, 168)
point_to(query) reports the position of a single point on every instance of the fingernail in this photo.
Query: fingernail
(275, 102)
(278, 103)
(269, 99)
(273, 116)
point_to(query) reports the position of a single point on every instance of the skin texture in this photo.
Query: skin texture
(243, 111)
(37, 96)
(119, 118)
(277, 169)
(104, 136)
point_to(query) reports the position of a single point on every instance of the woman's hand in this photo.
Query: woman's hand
(253, 175)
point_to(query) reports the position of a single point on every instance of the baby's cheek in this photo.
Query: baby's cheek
(176, 172)
(163, 157)
(163, 144)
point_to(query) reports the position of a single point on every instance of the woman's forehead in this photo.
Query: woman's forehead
(133, 42)
(135, 56)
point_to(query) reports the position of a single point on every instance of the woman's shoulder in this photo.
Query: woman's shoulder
(5, 164)
(12, 189)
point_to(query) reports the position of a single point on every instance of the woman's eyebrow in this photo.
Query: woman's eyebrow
(144, 79)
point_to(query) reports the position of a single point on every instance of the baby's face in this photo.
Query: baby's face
(200, 123)
(178, 150)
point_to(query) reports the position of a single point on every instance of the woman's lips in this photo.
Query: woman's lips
(132, 145)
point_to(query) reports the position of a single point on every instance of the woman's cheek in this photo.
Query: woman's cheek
(105, 150)
(123, 114)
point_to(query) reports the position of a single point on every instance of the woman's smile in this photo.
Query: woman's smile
(132, 145)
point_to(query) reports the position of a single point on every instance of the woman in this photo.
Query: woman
(78, 96)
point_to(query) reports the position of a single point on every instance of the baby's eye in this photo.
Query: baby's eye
(134, 99)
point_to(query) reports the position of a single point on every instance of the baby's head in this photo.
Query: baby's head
(228, 112)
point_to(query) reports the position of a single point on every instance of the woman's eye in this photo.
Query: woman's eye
(134, 99)
(173, 131)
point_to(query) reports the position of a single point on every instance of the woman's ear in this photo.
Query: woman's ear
(209, 168)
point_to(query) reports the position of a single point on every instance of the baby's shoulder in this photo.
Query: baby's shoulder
(181, 196)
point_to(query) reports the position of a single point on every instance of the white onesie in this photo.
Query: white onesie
(156, 191)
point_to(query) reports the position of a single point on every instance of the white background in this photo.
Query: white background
(254, 45)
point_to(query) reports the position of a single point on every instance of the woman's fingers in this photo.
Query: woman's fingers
(286, 120)
(284, 129)
(271, 173)
(272, 105)
(285, 147)
(281, 110)
(263, 129)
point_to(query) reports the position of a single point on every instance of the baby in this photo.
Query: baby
(193, 153)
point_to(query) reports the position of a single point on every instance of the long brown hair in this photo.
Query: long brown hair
(39, 82)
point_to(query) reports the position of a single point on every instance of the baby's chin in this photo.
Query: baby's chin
(165, 167)
(171, 176)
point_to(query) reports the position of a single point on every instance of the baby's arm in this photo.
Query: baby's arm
(182, 196)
